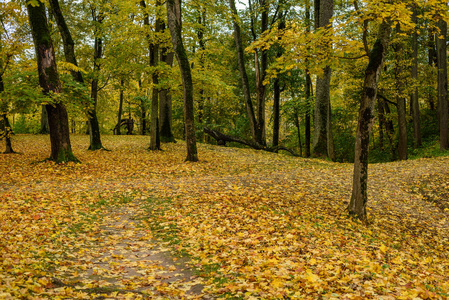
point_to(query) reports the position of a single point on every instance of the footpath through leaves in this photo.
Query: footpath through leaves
(134, 224)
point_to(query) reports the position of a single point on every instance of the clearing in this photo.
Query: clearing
(136, 224)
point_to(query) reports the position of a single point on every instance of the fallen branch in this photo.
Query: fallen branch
(222, 138)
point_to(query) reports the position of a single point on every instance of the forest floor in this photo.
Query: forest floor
(136, 224)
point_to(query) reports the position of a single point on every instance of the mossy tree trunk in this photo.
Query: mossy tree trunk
(359, 197)
(175, 25)
(61, 150)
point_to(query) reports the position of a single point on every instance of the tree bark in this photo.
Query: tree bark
(322, 138)
(165, 102)
(5, 128)
(359, 198)
(414, 95)
(68, 43)
(175, 25)
(443, 108)
(44, 121)
(94, 128)
(61, 150)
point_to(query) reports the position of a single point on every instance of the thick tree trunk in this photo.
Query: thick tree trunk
(7, 132)
(165, 102)
(94, 128)
(400, 86)
(359, 197)
(414, 95)
(243, 75)
(61, 150)
(175, 25)
(322, 138)
(5, 128)
(443, 108)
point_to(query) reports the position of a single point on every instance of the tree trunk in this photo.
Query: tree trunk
(243, 75)
(433, 61)
(155, 143)
(359, 197)
(94, 128)
(61, 150)
(260, 78)
(276, 111)
(308, 90)
(202, 46)
(298, 130)
(322, 138)
(165, 102)
(443, 112)
(120, 109)
(414, 95)
(69, 45)
(277, 93)
(5, 128)
(143, 108)
(400, 86)
(175, 25)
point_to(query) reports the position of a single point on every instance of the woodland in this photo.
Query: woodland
(220, 149)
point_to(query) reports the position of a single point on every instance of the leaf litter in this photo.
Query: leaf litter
(135, 224)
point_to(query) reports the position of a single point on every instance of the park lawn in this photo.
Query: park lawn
(253, 225)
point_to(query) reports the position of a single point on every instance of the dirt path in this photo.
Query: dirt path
(123, 261)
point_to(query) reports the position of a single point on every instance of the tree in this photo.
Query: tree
(94, 127)
(174, 21)
(257, 125)
(322, 138)
(400, 95)
(165, 101)
(414, 94)
(61, 150)
(69, 54)
(443, 107)
(359, 198)
(5, 128)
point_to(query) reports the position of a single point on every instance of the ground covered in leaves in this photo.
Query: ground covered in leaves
(136, 224)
